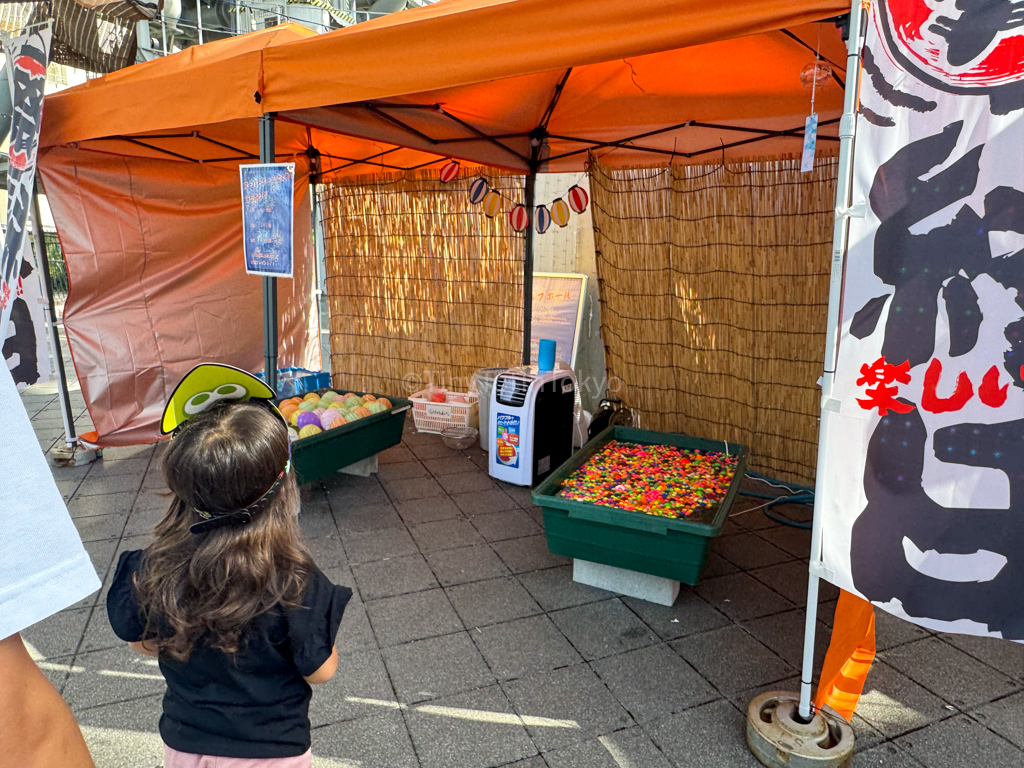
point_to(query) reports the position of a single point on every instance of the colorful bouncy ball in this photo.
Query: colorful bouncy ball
(578, 198)
(560, 212)
(519, 218)
(305, 419)
(492, 204)
(449, 171)
(478, 190)
(541, 219)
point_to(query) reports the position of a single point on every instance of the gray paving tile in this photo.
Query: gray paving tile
(436, 667)
(1004, 655)
(367, 494)
(153, 500)
(575, 694)
(113, 484)
(884, 756)
(528, 554)
(961, 743)
(523, 646)
(316, 521)
(796, 541)
(450, 465)
(58, 635)
(395, 455)
(100, 527)
(731, 659)
(948, 672)
(119, 453)
(107, 468)
(891, 631)
(355, 633)
(105, 504)
(380, 741)
(748, 550)
(895, 704)
(467, 564)
(482, 603)
(740, 596)
(484, 503)
(101, 553)
(327, 551)
(712, 734)
(629, 747)
(377, 545)
(445, 534)
(360, 675)
(366, 518)
(865, 735)
(143, 521)
(530, 762)
(98, 635)
(466, 482)
(1005, 717)
(140, 715)
(112, 675)
(427, 510)
(397, 620)
(412, 488)
(653, 682)
(433, 450)
(402, 471)
(783, 633)
(554, 588)
(690, 614)
(603, 629)
(510, 524)
(790, 580)
(444, 741)
(397, 576)
(521, 495)
(716, 565)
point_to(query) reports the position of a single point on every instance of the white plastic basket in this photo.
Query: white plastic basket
(436, 417)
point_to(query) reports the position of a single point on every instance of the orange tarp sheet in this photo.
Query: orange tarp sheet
(158, 283)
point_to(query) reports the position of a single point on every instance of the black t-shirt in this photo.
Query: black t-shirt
(255, 704)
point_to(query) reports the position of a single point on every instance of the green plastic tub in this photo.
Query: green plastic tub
(324, 454)
(674, 548)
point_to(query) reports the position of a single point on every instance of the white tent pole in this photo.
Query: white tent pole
(844, 192)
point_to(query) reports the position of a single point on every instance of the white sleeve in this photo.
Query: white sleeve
(43, 565)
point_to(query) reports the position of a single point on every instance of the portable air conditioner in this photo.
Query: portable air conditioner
(531, 424)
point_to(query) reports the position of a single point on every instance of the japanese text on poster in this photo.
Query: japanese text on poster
(557, 309)
(268, 217)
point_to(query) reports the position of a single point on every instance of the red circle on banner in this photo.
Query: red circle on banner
(974, 52)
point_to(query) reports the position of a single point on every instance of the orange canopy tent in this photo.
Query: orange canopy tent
(141, 161)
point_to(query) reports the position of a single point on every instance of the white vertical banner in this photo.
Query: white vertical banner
(22, 323)
(924, 507)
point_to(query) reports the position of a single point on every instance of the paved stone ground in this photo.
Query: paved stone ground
(468, 644)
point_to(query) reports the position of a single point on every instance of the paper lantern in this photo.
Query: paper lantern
(542, 219)
(560, 212)
(449, 171)
(478, 190)
(578, 198)
(492, 204)
(519, 218)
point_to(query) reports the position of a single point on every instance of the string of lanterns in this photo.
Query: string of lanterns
(558, 211)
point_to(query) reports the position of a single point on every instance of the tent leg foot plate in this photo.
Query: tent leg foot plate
(779, 740)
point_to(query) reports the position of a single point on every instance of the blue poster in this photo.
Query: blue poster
(507, 440)
(268, 201)
(557, 310)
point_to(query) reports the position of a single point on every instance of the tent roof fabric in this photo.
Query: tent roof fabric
(638, 83)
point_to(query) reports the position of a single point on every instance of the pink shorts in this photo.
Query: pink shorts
(175, 759)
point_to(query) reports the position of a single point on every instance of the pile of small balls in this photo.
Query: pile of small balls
(312, 414)
(658, 480)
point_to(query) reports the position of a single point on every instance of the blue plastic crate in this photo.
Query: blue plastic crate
(298, 381)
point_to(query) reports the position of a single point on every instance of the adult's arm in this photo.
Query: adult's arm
(37, 730)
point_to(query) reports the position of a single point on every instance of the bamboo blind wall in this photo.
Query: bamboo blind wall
(421, 285)
(714, 290)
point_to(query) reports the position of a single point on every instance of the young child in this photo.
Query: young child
(228, 598)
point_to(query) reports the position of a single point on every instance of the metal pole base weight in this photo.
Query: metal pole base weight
(74, 455)
(779, 740)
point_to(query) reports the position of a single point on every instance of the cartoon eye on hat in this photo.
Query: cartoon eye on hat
(206, 385)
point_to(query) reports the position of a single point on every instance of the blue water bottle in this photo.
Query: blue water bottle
(546, 356)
